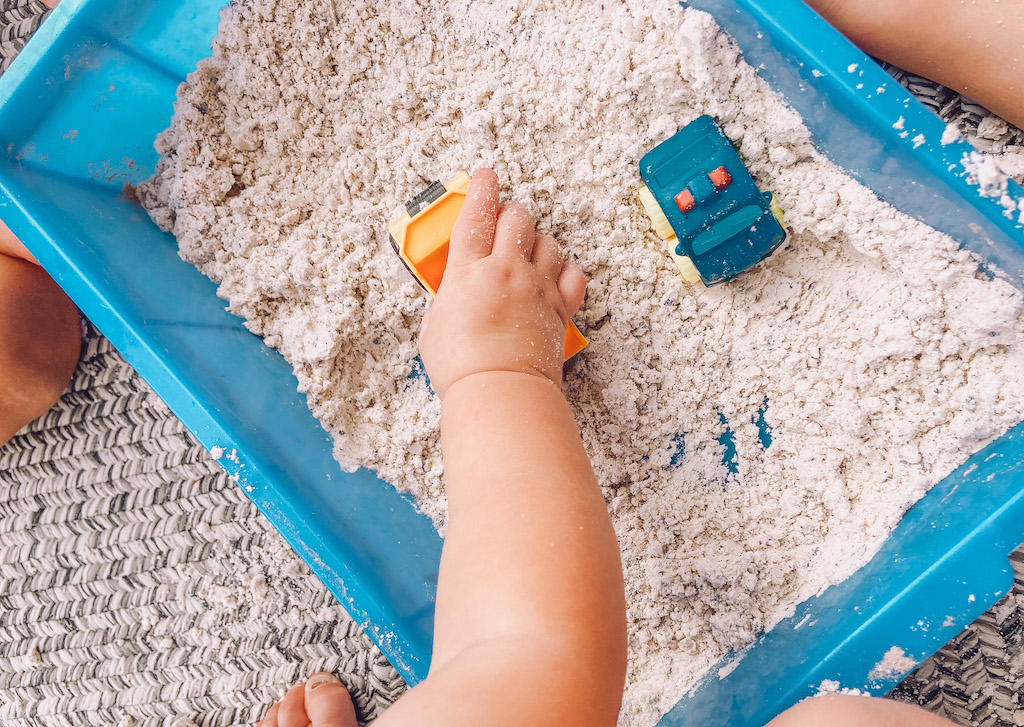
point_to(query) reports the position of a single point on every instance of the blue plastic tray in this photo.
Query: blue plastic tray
(79, 110)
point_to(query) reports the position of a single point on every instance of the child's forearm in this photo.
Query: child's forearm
(521, 493)
(530, 556)
(530, 621)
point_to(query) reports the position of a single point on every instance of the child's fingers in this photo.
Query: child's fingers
(547, 258)
(572, 285)
(473, 233)
(514, 234)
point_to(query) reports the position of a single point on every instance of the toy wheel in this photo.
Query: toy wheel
(687, 269)
(653, 209)
(778, 212)
(780, 216)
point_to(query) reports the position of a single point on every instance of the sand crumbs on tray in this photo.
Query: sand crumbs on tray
(871, 348)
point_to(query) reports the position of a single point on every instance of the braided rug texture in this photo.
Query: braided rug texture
(18, 20)
(138, 585)
(986, 131)
(978, 677)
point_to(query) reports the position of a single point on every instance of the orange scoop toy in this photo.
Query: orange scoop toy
(421, 237)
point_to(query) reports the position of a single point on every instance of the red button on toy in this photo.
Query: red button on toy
(720, 178)
(684, 201)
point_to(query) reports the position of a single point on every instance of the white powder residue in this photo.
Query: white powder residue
(995, 137)
(803, 621)
(950, 134)
(894, 663)
(831, 686)
(1011, 161)
(998, 139)
(729, 668)
(984, 171)
(871, 347)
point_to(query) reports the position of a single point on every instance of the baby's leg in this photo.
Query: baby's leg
(975, 47)
(321, 702)
(853, 711)
(40, 339)
(11, 246)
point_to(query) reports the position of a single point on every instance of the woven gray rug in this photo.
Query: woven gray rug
(978, 677)
(138, 586)
(18, 21)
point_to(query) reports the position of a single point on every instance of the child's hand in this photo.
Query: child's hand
(506, 296)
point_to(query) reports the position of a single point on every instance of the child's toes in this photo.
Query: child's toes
(328, 703)
(270, 718)
(291, 711)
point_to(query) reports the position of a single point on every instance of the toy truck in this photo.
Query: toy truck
(702, 200)
(421, 236)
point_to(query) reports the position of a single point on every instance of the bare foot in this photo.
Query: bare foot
(40, 338)
(321, 702)
(973, 46)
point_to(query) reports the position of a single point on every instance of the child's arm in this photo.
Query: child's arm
(530, 621)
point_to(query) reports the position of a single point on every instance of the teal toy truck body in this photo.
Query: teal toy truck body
(703, 201)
